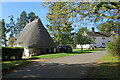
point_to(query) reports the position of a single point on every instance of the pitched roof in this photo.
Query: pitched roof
(34, 35)
(99, 34)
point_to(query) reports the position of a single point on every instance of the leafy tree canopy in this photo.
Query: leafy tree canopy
(108, 26)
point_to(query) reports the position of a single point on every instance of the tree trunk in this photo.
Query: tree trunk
(5, 43)
(81, 48)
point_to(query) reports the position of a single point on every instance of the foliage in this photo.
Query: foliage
(82, 40)
(114, 47)
(11, 26)
(14, 47)
(22, 21)
(60, 22)
(11, 41)
(88, 11)
(82, 30)
(32, 15)
(99, 10)
(109, 68)
(108, 26)
(4, 33)
(12, 53)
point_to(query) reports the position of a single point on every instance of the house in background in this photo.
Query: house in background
(34, 36)
(100, 39)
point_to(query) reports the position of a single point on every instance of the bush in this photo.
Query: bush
(9, 53)
(14, 47)
(114, 47)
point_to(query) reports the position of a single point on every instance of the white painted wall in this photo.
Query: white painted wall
(98, 42)
(26, 52)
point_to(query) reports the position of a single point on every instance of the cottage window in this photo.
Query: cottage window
(103, 43)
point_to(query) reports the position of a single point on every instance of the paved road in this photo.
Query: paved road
(76, 66)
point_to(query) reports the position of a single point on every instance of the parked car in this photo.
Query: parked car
(64, 48)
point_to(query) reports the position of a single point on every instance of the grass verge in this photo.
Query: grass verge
(57, 55)
(8, 65)
(109, 67)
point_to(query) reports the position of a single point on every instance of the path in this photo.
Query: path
(76, 66)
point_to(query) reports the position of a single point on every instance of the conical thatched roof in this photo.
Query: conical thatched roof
(34, 35)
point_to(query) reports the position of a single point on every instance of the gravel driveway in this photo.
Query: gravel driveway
(76, 66)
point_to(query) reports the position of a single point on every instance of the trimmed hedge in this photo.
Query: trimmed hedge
(114, 47)
(9, 53)
(14, 47)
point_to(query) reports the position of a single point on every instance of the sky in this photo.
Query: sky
(15, 9)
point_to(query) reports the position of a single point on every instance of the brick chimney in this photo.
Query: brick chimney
(92, 29)
(29, 20)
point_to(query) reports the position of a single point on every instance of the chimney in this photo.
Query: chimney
(92, 29)
(29, 20)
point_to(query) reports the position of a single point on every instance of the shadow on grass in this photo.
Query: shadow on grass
(107, 70)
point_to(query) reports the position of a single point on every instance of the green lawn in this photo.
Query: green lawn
(109, 67)
(57, 55)
(7, 65)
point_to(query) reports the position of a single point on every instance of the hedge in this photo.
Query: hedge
(114, 47)
(9, 53)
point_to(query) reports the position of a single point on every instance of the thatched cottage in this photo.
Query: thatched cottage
(35, 36)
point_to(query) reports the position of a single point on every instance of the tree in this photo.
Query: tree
(108, 26)
(82, 40)
(4, 33)
(11, 41)
(18, 26)
(91, 11)
(96, 11)
(60, 23)
(23, 20)
(114, 46)
(32, 15)
(12, 27)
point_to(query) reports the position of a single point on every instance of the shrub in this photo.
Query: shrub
(9, 53)
(114, 47)
(14, 47)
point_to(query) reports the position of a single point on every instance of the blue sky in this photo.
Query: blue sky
(15, 8)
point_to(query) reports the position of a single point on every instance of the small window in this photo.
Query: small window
(103, 37)
(108, 41)
(103, 43)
